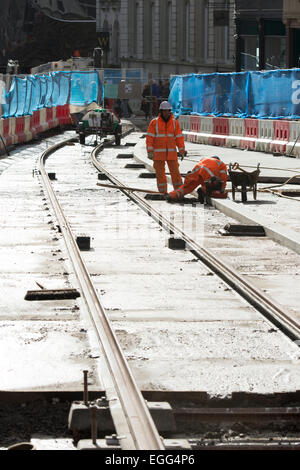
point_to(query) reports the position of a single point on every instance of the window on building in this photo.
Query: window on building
(60, 6)
(275, 44)
(152, 13)
(206, 16)
(221, 27)
(136, 27)
(275, 52)
(116, 43)
(187, 30)
(250, 53)
(249, 44)
(169, 30)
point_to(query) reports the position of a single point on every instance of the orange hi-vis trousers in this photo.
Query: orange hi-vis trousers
(161, 179)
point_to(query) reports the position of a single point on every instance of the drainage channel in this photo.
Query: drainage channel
(251, 294)
(129, 411)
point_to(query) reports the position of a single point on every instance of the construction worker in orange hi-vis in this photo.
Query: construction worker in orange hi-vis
(163, 136)
(210, 173)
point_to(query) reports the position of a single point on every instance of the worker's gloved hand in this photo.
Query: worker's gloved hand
(215, 184)
(150, 155)
(183, 154)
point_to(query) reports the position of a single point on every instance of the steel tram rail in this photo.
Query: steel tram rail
(132, 416)
(254, 296)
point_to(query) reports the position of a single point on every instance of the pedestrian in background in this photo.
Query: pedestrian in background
(145, 105)
(155, 92)
(163, 136)
(165, 90)
(117, 109)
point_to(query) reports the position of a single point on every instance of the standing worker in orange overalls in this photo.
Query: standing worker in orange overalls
(163, 136)
(210, 173)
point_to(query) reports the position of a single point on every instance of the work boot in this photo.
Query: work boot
(169, 198)
(200, 195)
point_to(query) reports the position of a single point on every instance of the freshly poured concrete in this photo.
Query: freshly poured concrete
(43, 344)
(181, 327)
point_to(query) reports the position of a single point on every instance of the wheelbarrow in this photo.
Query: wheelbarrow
(247, 180)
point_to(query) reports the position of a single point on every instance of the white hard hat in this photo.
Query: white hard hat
(165, 105)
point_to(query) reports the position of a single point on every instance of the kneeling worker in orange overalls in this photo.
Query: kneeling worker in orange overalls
(163, 136)
(210, 173)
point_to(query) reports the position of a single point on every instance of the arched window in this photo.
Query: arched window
(169, 13)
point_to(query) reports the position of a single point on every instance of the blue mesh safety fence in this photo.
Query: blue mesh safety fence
(273, 94)
(34, 92)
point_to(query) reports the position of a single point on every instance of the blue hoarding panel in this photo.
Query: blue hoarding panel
(34, 92)
(272, 94)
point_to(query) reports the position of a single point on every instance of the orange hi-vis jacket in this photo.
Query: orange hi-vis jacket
(206, 169)
(163, 137)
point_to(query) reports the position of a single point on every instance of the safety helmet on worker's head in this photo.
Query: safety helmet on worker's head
(165, 105)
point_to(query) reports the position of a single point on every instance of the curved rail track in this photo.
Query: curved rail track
(125, 386)
(132, 419)
(140, 432)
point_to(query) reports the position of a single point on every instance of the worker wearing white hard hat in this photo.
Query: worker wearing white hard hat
(164, 136)
(165, 105)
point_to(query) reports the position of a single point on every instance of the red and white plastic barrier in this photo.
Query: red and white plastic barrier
(16, 130)
(220, 131)
(275, 136)
(62, 114)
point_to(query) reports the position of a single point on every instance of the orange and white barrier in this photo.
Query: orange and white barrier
(62, 114)
(281, 136)
(16, 130)
(236, 132)
(220, 131)
(264, 135)
(293, 146)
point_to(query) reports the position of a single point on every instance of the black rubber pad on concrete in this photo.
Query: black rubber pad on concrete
(135, 165)
(155, 197)
(238, 230)
(147, 175)
(125, 155)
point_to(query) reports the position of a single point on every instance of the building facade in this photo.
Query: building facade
(162, 37)
(169, 36)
